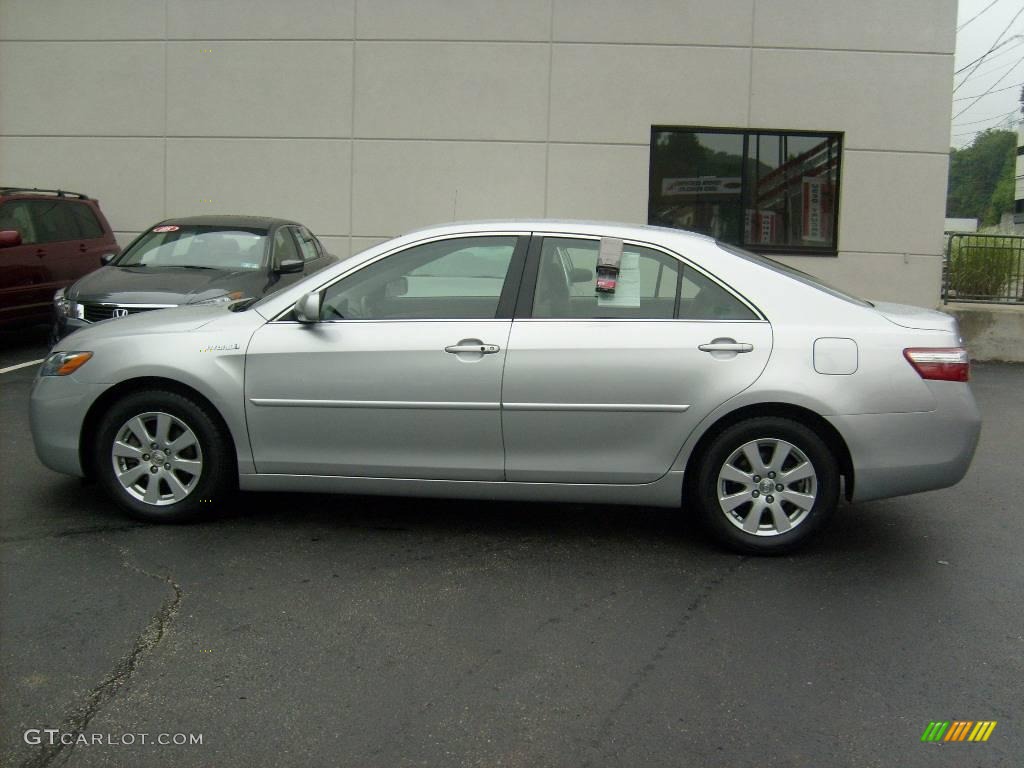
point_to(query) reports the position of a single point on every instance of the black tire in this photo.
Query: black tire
(804, 504)
(201, 487)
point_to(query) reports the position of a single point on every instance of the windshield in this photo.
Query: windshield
(204, 247)
(793, 273)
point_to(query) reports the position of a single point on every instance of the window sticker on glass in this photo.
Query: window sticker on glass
(166, 228)
(627, 288)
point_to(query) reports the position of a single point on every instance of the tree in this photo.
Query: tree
(981, 177)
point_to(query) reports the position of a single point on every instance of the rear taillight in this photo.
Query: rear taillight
(940, 363)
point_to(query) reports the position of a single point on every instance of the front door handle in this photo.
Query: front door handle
(468, 347)
(726, 346)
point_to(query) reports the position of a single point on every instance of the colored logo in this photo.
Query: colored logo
(958, 730)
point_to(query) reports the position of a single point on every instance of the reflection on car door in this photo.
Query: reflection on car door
(605, 388)
(391, 385)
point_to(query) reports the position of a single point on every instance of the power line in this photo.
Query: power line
(994, 46)
(1001, 117)
(967, 98)
(986, 93)
(982, 130)
(1007, 41)
(976, 15)
(987, 70)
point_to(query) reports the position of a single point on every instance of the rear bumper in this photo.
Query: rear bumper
(899, 453)
(57, 410)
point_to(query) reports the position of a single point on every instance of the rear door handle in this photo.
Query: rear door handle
(726, 346)
(480, 349)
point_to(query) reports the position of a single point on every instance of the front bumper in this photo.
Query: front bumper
(895, 454)
(57, 409)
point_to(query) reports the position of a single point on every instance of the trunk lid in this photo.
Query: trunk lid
(918, 318)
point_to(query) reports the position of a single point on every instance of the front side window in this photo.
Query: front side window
(457, 279)
(284, 246)
(16, 215)
(768, 191)
(171, 245)
(307, 244)
(53, 220)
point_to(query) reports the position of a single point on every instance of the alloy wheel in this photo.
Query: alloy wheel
(157, 458)
(767, 487)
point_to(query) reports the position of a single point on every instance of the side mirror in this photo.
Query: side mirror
(106, 258)
(290, 265)
(397, 287)
(9, 238)
(307, 308)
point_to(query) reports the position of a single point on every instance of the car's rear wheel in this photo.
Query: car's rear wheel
(163, 457)
(766, 484)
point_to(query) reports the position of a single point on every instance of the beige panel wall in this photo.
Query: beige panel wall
(364, 118)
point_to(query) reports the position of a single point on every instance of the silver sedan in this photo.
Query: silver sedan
(533, 360)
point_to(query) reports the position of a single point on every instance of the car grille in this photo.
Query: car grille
(96, 312)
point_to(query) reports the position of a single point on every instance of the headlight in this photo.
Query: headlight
(222, 299)
(64, 363)
(67, 307)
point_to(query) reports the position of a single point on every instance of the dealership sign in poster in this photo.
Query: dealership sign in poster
(815, 216)
(701, 185)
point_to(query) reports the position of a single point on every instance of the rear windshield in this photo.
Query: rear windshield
(793, 273)
(187, 245)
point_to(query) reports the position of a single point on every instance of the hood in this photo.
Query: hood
(171, 320)
(917, 317)
(164, 285)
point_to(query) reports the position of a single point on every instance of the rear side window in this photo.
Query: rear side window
(651, 285)
(53, 221)
(703, 299)
(88, 225)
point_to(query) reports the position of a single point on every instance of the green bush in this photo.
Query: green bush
(981, 267)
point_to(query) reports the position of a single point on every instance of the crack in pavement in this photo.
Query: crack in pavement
(72, 532)
(78, 719)
(641, 675)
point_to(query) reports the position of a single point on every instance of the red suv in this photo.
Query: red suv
(48, 239)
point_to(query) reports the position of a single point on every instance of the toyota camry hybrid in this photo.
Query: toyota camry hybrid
(530, 360)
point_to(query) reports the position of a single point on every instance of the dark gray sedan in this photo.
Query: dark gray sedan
(195, 260)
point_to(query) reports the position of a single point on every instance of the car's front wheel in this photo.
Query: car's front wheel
(163, 457)
(766, 484)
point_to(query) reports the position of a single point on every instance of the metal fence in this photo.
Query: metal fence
(983, 268)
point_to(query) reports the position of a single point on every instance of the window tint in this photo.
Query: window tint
(650, 285)
(646, 286)
(702, 299)
(453, 279)
(53, 221)
(284, 246)
(16, 215)
(307, 244)
(88, 225)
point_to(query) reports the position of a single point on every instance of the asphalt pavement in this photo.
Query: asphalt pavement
(310, 630)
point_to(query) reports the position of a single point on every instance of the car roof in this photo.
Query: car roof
(566, 226)
(251, 222)
(45, 194)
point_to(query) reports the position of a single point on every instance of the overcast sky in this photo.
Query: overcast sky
(1000, 108)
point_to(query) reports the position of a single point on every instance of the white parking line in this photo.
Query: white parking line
(21, 365)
